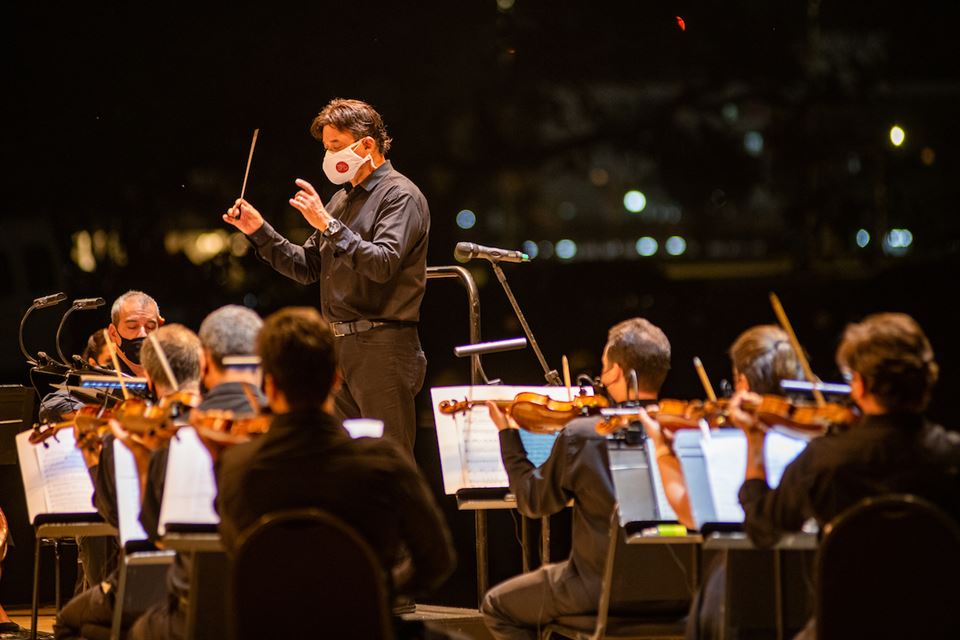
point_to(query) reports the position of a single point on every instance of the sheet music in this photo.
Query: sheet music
(55, 478)
(128, 494)
(663, 505)
(726, 460)
(725, 455)
(469, 443)
(779, 450)
(190, 487)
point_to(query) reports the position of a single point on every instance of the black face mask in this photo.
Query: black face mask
(131, 349)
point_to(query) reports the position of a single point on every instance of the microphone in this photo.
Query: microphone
(88, 303)
(48, 301)
(468, 250)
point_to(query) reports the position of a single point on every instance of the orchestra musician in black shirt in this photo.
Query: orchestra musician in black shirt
(577, 469)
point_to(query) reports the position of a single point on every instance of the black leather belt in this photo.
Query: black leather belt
(341, 329)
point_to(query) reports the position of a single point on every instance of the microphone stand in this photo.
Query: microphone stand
(39, 303)
(91, 303)
(551, 375)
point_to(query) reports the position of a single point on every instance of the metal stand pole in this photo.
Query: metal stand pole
(553, 378)
(477, 376)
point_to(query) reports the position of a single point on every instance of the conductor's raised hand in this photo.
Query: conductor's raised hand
(307, 202)
(243, 216)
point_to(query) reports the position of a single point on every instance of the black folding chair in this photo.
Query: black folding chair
(646, 593)
(887, 568)
(306, 573)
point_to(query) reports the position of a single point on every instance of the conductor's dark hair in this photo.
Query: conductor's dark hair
(640, 345)
(893, 356)
(295, 346)
(355, 116)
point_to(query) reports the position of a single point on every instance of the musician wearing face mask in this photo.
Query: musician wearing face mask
(368, 251)
(132, 316)
(761, 357)
(578, 468)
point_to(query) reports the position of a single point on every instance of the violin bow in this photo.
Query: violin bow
(116, 363)
(167, 371)
(704, 380)
(807, 371)
(566, 378)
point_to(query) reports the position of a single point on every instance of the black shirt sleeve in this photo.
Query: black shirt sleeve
(539, 490)
(105, 484)
(425, 535)
(770, 512)
(153, 497)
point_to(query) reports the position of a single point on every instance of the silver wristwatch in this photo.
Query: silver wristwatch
(333, 228)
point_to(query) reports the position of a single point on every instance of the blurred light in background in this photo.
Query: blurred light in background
(466, 219)
(505, 5)
(753, 143)
(853, 164)
(675, 245)
(928, 156)
(544, 249)
(897, 242)
(567, 210)
(634, 201)
(530, 248)
(897, 135)
(646, 246)
(82, 252)
(599, 177)
(566, 249)
(730, 112)
(863, 238)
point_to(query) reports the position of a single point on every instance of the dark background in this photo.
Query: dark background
(127, 131)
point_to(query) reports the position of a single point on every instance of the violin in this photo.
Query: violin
(672, 415)
(535, 412)
(140, 416)
(228, 428)
(91, 422)
(798, 419)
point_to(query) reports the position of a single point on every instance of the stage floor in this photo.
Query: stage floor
(466, 621)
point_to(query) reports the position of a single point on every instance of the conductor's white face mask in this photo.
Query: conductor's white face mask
(341, 166)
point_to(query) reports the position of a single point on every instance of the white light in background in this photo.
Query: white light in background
(675, 245)
(863, 238)
(531, 249)
(466, 219)
(897, 242)
(753, 143)
(646, 246)
(897, 135)
(634, 201)
(566, 249)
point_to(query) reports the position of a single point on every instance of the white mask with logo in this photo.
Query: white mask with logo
(341, 166)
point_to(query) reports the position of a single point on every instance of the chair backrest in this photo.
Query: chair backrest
(306, 573)
(651, 581)
(887, 567)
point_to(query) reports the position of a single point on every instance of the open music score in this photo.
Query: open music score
(713, 467)
(55, 477)
(469, 442)
(190, 487)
